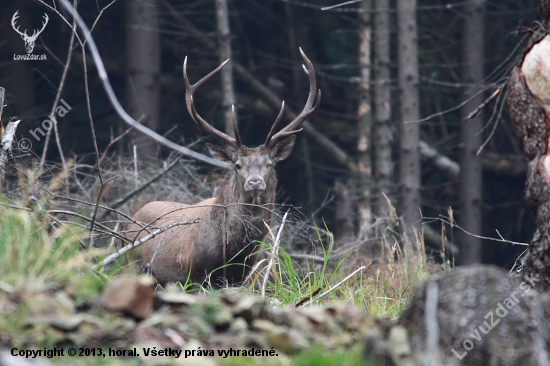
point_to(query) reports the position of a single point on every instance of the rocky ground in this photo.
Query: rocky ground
(173, 327)
(471, 310)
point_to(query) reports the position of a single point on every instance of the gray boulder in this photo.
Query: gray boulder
(478, 315)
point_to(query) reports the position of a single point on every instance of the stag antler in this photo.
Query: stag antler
(308, 110)
(29, 40)
(44, 23)
(13, 19)
(24, 34)
(189, 90)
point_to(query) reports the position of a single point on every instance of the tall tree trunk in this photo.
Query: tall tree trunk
(470, 190)
(364, 115)
(344, 211)
(383, 136)
(529, 104)
(143, 69)
(409, 157)
(297, 73)
(228, 93)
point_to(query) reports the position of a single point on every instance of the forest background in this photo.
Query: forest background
(379, 64)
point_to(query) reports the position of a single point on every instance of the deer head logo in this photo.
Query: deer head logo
(29, 40)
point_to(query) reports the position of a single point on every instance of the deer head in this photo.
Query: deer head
(29, 40)
(254, 166)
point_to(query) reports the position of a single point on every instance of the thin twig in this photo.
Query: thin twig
(89, 108)
(453, 224)
(103, 184)
(106, 228)
(497, 120)
(135, 167)
(54, 107)
(113, 257)
(114, 141)
(274, 251)
(104, 78)
(14, 206)
(118, 203)
(334, 287)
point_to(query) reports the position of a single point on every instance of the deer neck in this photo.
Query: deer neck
(233, 194)
(240, 211)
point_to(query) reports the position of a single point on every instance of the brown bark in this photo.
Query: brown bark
(470, 188)
(364, 119)
(528, 101)
(382, 129)
(228, 93)
(409, 157)
(143, 68)
(344, 211)
(7, 136)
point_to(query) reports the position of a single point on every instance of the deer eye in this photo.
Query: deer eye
(269, 163)
(238, 165)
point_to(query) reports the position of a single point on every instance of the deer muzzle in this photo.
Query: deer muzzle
(254, 184)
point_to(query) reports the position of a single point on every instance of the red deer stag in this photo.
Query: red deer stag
(220, 241)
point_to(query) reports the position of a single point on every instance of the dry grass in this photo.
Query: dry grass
(308, 263)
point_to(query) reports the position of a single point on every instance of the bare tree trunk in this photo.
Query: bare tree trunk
(470, 190)
(344, 211)
(228, 93)
(409, 157)
(529, 107)
(383, 136)
(7, 136)
(297, 72)
(364, 115)
(143, 69)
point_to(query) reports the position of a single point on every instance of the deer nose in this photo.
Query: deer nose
(255, 184)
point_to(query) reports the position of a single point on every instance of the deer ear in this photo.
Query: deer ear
(282, 150)
(219, 153)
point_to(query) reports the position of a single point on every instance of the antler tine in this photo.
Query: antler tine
(14, 26)
(46, 18)
(309, 109)
(235, 127)
(274, 127)
(189, 90)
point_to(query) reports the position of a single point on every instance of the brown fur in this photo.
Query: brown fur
(225, 228)
(235, 219)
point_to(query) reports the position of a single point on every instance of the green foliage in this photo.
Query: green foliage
(35, 255)
(381, 292)
(320, 357)
(313, 357)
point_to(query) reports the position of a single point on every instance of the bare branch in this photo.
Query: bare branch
(116, 104)
(333, 287)
(273, 254)
(113, 257)
(54, 107)
(112, 206)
